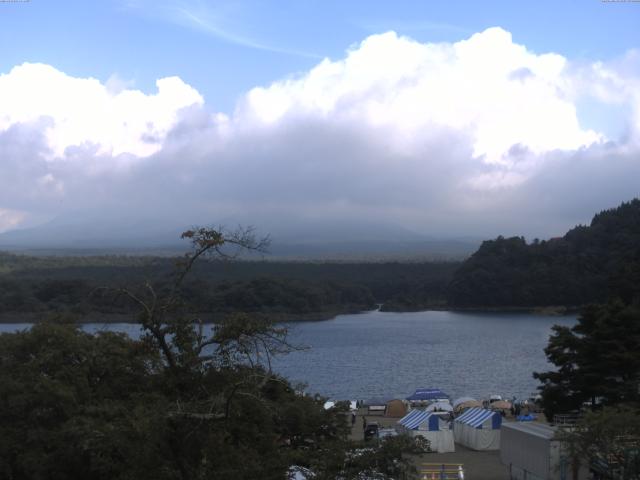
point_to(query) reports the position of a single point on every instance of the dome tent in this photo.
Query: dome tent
(419, 423)
(461, 400)
(478, 429)
(395, 408)
(463, 403)
(502, 405)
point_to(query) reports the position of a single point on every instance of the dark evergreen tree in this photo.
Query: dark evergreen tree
(598, 360)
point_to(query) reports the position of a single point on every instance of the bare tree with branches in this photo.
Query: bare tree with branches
(240, 342)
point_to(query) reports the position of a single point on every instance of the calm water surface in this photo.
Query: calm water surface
(385, 355)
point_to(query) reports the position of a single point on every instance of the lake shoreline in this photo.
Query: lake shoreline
(29, 318)
(550, 310)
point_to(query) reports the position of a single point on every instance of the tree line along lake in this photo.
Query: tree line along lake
(387, 355)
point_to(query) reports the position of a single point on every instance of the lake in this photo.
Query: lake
(389, 355)
(386, 355)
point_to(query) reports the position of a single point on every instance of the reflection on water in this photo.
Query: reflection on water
(384, 355)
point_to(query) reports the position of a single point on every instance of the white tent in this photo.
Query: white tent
(426, 424)
(478, 429)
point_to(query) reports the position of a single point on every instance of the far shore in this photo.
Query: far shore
(109, 318)
(212, 318)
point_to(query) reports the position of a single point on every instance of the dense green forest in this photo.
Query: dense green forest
(31, 286)
(177, 404)
(589, 264)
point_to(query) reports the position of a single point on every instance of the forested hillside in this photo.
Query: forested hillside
(589, 264)
(37, 286)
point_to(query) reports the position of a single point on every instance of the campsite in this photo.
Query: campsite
(467, 438)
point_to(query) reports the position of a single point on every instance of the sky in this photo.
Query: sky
(437, 118)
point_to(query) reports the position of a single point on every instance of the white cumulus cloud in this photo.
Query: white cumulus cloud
(503, 94)
(479, 137)
(84, 111)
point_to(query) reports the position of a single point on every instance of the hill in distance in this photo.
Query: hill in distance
(589, 264)
(300, 240)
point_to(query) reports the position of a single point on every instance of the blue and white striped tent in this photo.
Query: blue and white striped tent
(430, 426)
(477, 418)
(478, 428)
(420, 419)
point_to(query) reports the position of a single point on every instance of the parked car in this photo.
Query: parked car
(371, 431)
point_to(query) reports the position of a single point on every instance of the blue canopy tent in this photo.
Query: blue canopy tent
(478, 429)
(426, 424)
(428, 395)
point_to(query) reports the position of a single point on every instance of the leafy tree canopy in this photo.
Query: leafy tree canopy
(183, 402)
